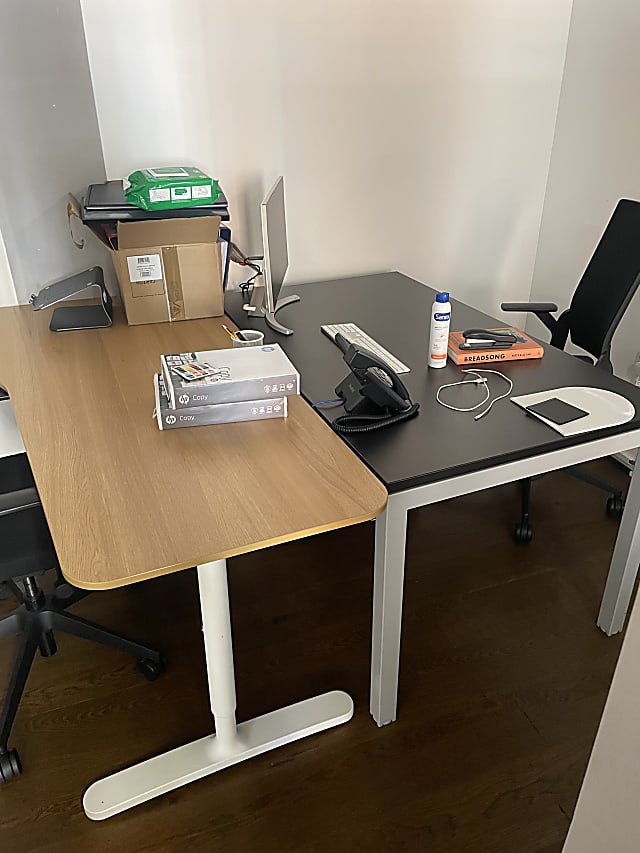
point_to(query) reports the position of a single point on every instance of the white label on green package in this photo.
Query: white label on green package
(201, 192)
(168, 172)
(159, 194)
(144, 267)
(180, 193)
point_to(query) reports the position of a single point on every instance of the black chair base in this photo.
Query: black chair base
(37, 617)
(615, 504)
(523, 531)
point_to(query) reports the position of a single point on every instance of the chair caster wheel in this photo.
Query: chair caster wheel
(615, 507)
(523, 532)
(10, 766)
(151, 669)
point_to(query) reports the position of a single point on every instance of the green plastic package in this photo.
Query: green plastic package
(168, 187)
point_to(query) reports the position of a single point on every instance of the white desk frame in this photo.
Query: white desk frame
(231, 743)
(390, 545)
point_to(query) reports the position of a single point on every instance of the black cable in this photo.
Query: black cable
(333, 402)
(247, 286)
(238, 257)
(368, 423)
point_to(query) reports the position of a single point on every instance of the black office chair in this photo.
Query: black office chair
(26, 550)
(599, 302)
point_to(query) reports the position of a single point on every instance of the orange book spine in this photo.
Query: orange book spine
(494, 356)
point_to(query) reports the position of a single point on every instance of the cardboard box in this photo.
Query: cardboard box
(169, 269)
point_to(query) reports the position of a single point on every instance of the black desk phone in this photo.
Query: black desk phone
(374, 395)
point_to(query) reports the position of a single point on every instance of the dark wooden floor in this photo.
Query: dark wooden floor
(503, 680)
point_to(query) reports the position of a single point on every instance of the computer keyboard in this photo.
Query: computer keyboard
(355, 335)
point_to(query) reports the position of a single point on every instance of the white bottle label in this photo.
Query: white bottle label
(439, 339)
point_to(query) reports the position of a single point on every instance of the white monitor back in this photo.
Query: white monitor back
(274, 241)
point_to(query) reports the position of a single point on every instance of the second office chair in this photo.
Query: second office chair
(599, 302)
(26, 550)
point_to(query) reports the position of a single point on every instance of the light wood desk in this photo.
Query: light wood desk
(126, 502)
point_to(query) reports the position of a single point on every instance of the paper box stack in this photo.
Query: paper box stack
(223, 386)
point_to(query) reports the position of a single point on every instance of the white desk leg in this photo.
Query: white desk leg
(624, 564)
(388, 583)
(231, 743)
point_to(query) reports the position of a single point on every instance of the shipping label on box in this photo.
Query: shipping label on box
(145, 267)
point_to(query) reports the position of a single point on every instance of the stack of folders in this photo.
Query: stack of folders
(223, 386)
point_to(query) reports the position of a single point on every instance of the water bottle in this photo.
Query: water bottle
(439, 333)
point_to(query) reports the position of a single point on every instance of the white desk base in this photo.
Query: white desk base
(390, 542)
(231, 743)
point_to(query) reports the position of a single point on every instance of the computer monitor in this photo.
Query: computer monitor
(274, 242)
(266, 300)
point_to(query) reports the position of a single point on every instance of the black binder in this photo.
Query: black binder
(107, 203)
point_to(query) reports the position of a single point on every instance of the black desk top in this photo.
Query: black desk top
(438, 443)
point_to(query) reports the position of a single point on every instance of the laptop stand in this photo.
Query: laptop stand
(71, 317)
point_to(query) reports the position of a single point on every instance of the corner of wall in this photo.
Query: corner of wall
(8, 294)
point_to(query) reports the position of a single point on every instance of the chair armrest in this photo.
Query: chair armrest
(533, 307)
(19, 500)
(542, 311)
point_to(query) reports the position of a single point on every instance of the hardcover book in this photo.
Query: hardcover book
(228, 376)
(221, 413)
(525, 347)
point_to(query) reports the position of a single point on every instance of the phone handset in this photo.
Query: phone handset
(372, 384)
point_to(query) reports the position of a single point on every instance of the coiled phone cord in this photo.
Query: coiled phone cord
(369, 423)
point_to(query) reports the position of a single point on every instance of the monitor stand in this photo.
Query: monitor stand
(257, 307)
(270, 316)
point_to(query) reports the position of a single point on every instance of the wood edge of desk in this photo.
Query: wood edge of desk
(234, 552)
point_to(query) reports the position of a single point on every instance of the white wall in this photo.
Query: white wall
(595, 158)
(49, 144)
(7, 289)
(414, 135)
(606, 815)
(594, 163)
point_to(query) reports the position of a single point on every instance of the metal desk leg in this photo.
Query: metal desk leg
(624, 564)
(388, 583)
(231, 743)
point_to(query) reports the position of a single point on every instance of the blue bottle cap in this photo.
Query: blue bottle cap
(442, 297)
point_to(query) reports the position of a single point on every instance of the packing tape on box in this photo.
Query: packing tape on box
(173, 280)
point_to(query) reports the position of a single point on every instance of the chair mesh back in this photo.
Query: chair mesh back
(609, 281)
